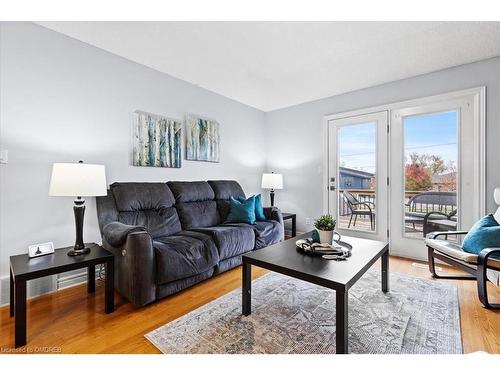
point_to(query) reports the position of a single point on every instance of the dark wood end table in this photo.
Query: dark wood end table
(293, 217)
(338, 275)
(24, 268)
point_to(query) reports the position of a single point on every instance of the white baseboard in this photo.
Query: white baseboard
(71, 280)
(43, 285)
(34, 288)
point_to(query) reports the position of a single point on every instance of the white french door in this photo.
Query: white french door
(357, 179)
(399, 171)
(435, 171)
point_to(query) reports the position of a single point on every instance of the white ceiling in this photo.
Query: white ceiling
(271, 65)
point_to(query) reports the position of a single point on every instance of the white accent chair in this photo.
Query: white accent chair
(480, 267)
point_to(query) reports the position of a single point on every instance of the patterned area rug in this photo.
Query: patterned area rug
(292, 316)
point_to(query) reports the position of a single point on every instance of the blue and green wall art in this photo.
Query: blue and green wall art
(202, 139)
(157, 141)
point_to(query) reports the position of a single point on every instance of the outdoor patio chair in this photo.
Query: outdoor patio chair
(359, 208)
(435, 216)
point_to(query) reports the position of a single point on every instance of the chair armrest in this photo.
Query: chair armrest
(116, 233)
(434, 235)
(367, 204)
(482, 259)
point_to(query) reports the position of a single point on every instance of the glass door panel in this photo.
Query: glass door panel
(430, 173)
(357, 175)
(357, 165)
(435, 171)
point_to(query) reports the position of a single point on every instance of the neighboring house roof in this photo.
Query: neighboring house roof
(355, 173)
(443, 178)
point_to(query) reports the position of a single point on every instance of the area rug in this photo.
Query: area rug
(292, 316)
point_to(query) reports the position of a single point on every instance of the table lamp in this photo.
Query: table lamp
(272, 181)
(78, 180)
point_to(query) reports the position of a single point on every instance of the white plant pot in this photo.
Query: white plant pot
(325, 236)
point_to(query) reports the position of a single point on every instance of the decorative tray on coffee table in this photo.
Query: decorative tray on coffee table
(308, 247)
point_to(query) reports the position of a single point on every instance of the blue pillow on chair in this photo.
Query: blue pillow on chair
(485, 233)
(241, 212)
(259, 210)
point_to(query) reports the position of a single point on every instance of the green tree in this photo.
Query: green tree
(434, 163)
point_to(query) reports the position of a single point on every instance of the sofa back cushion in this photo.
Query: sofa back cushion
(147, 204)
(195, 204)
(224, 190)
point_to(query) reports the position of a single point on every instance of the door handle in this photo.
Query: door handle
(332, 188)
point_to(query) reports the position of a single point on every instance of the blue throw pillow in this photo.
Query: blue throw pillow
(241, 212)
(259, 210)
(485, 233)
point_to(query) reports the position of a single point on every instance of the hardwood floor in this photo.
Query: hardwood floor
(70, 321)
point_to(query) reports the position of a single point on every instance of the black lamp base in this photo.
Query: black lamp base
(74, 252)
(79, 210)
(271, 193)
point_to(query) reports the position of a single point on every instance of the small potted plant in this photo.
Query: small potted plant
(325, 225)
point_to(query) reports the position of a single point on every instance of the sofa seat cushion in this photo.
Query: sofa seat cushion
(267, 232)
(455, 251)
(182, 256)
(230, 240)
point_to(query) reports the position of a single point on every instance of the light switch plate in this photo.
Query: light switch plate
(4, 156)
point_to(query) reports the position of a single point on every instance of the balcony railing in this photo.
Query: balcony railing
(369, 196)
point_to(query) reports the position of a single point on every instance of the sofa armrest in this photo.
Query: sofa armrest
(274, 213)
(116, 233)
(434, 235)
(135, 276)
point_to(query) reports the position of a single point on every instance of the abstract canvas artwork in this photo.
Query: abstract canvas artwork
(157, 141)
(202, 139)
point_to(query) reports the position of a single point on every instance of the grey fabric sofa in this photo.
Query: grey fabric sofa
(169, 236)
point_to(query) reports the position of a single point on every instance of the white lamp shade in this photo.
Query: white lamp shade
(496, 194)
(77, 180)
(272, 181)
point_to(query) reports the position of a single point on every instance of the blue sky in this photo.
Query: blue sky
(424, 134)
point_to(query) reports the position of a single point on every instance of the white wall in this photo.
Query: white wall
(295, 142)
(62, 100)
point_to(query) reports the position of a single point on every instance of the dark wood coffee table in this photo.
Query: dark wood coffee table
(338, 275)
